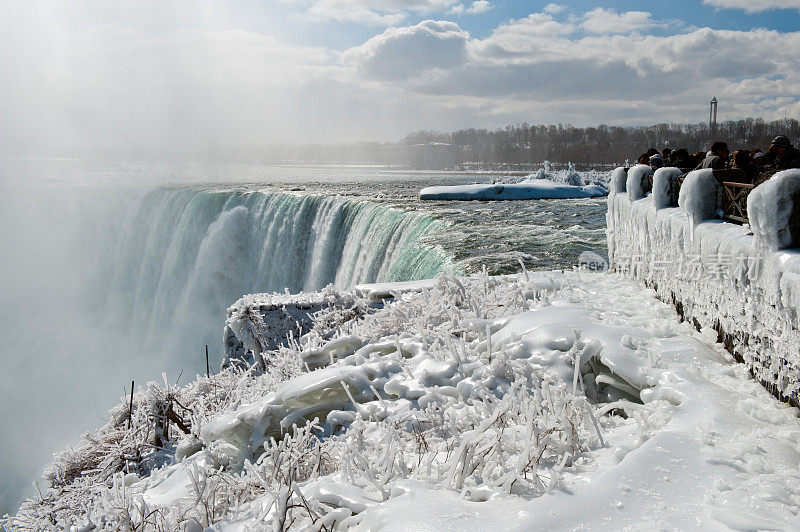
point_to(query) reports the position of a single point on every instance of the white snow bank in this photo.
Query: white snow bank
(476, 403)
(716, 273)
(773, 209)
(381, 291)
(527, 190)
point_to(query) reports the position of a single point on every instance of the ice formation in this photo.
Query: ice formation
(543, 184)
(735, 279)
(534, 189)
(774, 208)
(541, 400)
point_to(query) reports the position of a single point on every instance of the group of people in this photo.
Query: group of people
(780, 155)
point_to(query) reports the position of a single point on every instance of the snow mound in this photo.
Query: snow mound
(773, 209)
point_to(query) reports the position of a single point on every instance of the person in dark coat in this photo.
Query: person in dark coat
(717, 157)
(742, 161)
(682, 159)
(786, 155)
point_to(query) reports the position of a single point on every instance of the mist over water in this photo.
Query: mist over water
(108, 275)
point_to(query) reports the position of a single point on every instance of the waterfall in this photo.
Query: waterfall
(102, 285)
(183, 255)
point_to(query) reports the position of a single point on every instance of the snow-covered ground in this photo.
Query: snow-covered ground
(542, 184)
(548, 400)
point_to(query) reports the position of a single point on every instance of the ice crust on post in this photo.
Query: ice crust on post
(665, 187)
(494, 399)
(774, 210)
(720, 274)
(636, 184)
(699, 196)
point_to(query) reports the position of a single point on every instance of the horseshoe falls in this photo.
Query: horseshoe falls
(183, 255)
(103, 285)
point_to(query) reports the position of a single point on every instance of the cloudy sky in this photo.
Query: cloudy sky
(86, 74)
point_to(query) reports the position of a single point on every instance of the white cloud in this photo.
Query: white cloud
(607, 21)
(457, 9)
(553, 9)
(409, 52)
(90, 84)
(373, 12)
(479, 6)
(615, 77)
(754, 6)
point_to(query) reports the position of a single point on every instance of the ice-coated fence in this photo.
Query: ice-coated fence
(741, 280)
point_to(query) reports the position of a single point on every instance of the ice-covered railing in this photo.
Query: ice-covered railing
(741, 280)
(732, 190)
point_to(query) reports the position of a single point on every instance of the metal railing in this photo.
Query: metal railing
(734, 201)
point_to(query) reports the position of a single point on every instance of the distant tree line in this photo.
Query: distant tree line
(531, 144)
(516, 147)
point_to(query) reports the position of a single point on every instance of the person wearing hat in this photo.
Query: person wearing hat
(717, 157)
(656, 161)
(786, 155)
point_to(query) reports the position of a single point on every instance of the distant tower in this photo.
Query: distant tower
(712, 116)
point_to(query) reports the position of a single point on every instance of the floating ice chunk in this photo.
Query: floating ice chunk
(527, 190)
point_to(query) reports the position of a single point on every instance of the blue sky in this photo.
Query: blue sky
(679, 14)
(86, 75)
